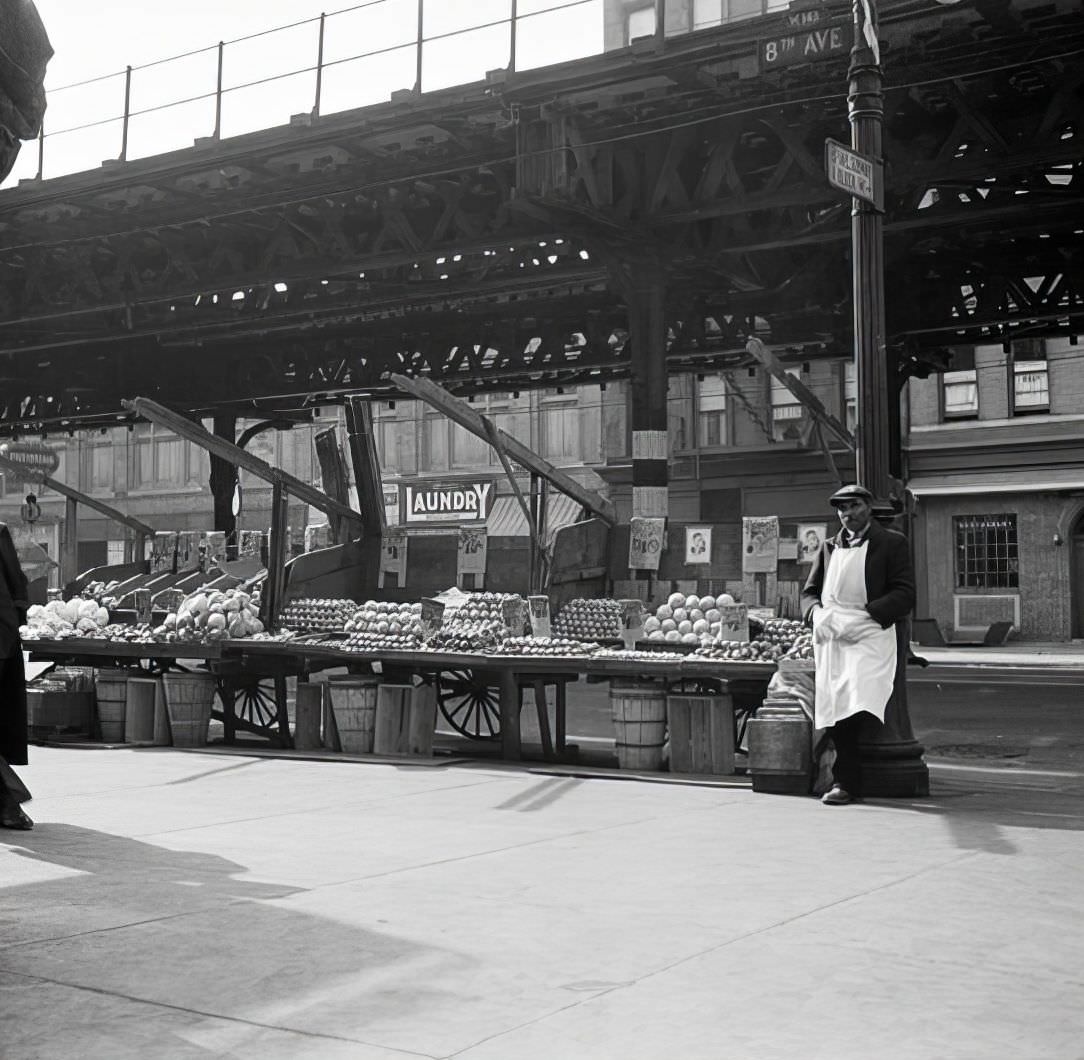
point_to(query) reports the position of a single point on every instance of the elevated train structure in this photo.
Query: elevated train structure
(527, 230)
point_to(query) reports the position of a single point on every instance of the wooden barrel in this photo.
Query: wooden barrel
(111, 690)
(353, 702)
(188, 702)
(139, 710)
(639, 715)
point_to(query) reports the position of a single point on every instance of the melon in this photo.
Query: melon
(664, 611)
(685, 627)
(651, 625)
(692, 602)
(726, 598)
(668, 625)
(700, 626)
(713, 614)
(680, 614)
(695, 614)
(707, 603)
(676, 600)
(690, 638)
(673, 637)
(656, 635)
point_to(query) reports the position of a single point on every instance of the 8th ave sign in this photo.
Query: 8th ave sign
(810, 36)
(857, 175)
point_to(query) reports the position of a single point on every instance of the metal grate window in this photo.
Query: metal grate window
(986, 552)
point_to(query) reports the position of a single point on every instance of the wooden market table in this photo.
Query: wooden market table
(240, 666)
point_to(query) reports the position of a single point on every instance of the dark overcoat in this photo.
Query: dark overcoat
(13, 604)
(890, 578)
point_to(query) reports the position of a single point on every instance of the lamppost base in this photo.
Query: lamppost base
(894, 770)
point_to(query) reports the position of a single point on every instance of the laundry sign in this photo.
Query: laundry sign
(432, 502)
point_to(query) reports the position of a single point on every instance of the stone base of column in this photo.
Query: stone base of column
(894, 770)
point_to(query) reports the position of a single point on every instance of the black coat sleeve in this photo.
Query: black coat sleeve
(811, 594)
(897, 598)
(17, 586)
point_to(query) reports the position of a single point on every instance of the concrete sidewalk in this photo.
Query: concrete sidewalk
(182, 905)
(1054, 656)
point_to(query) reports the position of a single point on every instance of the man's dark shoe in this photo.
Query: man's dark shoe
(837, 796)
(13, 817)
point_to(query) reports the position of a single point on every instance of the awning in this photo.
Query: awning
(506, 518)
(969, 483)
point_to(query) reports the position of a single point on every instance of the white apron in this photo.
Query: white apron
(855, 657)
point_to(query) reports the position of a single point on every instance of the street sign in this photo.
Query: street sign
(809, 37)
(34, 460)
(856, 174)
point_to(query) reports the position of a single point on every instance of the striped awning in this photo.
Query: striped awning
(506, 519)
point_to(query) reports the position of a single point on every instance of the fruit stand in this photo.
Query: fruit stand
(473, 647)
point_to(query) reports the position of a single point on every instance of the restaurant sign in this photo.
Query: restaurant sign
(458, 502)
(34, 460)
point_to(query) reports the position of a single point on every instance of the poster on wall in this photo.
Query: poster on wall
(760, 543)
(393, 556)
(473, 545)
(213, 549)
(646, 542)
(810, 538)
(698, 544)
(163, 552)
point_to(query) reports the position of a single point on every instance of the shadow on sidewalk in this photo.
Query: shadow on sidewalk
(981, 818)
(186, 930)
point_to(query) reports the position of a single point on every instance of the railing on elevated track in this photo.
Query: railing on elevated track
(417, 45)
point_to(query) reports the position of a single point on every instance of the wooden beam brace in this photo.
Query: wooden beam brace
(366, 461)
(193, 432)
(756, 349)
(460, 412)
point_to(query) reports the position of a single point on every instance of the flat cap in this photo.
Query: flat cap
(850, 493)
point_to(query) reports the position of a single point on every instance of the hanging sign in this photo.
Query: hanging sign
(697, 544)
(733, 622)
(810, 538)
(434, 502)
(188, 549)
(538, 607)
(646, 542)
(35, 460)
(213, 549)
(472, 551)
(250, 543)
(760, 543)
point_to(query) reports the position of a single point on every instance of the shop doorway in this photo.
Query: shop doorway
(1077, 577)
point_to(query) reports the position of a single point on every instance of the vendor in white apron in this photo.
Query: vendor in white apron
(861, 584)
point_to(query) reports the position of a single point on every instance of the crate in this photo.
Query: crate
(701, 734)
(47, 709)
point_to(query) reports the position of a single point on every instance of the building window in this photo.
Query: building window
(850, 395)
(1030, 383)
(679, 413)
(711, 412)
(162, 459)
(96, 472)
(640, 22)
(114, 551)
(986, 552)
(960, 388)
(787, 411)
(559, 428)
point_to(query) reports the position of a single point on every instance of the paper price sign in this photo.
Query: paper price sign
(646, 543)
(733, 622)
(432, 618)
(514, 613)
(632, 621)
(538, 607)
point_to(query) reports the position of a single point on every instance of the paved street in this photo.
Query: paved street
(194, 905)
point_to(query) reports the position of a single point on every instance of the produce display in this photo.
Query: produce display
(64, 618)
(544, 646)
(693, 620)
(383, 622)
(792, 637)
(101, 592)
(374, 642)
(738, 651)
(589, 620)
(207, 617)
(314, 615)
(632, 655)
(477, 624)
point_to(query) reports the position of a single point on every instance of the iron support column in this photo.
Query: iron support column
(224, 483)
(892, 763)
(647, 327)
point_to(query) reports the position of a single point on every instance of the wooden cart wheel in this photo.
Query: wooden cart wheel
(469, 703)
(254, 702)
